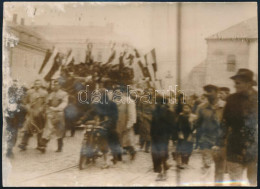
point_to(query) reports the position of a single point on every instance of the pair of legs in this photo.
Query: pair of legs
(146, 143)
(208, 157)
(131, 151)
(33, 124)
(235, 171)
(14, 121)
(198, 135)
(44, 142)
(70, 125)
(184, 150)
(12, 132)
(145, 139)
(25, 139)
(114, 145)
(182, 159)
(55, 125)
(159, 157)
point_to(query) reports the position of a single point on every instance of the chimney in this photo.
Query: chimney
(15, 18)
(22, 21)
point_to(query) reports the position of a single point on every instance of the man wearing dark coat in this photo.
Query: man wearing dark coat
(160, 135)
(240, 119)
(14, 115)
(145, 118)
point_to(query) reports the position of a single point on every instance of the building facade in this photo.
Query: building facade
(77, 38)
(228, 51)
(26, 54)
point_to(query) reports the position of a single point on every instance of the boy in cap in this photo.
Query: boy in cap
(209, 119)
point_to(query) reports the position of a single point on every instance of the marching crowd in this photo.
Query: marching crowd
(222, 126)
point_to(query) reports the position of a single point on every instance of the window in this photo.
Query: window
(231, 63)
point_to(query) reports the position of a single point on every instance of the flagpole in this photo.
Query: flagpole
(178, 55)
(178, 59)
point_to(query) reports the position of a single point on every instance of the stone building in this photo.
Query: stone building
(228, 50)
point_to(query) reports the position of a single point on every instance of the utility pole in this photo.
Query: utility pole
(178, 65)
(178, 52)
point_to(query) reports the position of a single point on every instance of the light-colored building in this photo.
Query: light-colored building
(77, 37)
(27, 54)
(228, 50)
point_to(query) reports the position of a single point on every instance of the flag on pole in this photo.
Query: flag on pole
(137, 55)
(112, 56)
(89, 56)
(138, 74)
(47, 64)
(145, 70)
(151, 63)
(46, 59)
(69, 58)
(55, 67)
(154, 62)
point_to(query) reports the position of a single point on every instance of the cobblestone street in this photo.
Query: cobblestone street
(31, 168)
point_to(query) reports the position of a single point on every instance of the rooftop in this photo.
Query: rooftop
(78, 34)
(41, 42)
(243, 30)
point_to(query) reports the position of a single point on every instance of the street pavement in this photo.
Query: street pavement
(32, 168)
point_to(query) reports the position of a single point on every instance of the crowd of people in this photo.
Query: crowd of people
(222, 126)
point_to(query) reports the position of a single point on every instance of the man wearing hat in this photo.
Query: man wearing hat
(56, 102)
(35, 118)
(240, 119)
(209, 119)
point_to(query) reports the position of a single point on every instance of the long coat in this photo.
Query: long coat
(160, 135)
(125, 123)
(35, 102)
(145, 120)
(185, 129)
(240, 122)
(55, 122)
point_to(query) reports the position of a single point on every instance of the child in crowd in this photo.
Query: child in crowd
(185, 129)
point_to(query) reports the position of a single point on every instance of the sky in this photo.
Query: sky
(146, 25)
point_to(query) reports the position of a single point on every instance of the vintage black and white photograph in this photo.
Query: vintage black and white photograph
(129, 94)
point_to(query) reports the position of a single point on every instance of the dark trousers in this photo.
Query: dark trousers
(145, 143)
(130, 149)
(159, 155)
(12, 137)
(13, 123)
(27, 136)
(114, 145)
(182, 158)
(70, 125)
(198, 134)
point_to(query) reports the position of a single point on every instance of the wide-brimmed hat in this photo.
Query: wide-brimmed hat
(245, 75)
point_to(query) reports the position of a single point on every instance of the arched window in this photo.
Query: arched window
(231, 63)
